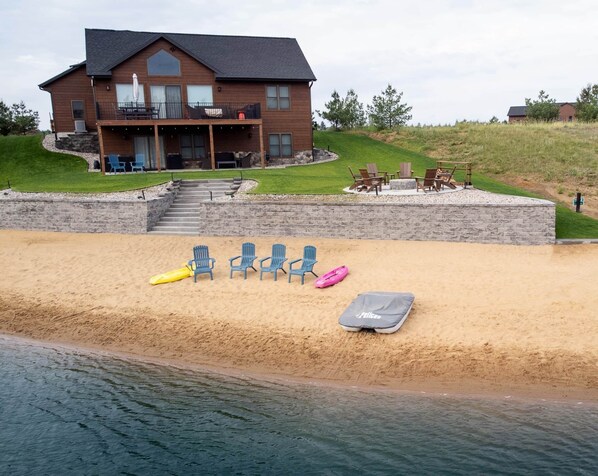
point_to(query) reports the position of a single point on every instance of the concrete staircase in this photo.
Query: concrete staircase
(182, 218)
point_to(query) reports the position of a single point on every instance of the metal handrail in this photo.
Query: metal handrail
(177, 110)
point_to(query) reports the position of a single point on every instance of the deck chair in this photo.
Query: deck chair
(307, 263)
(139, 163)
(357, 180)
(276, 261)
(244, 261)
(370, 182)
(428, 182)
(445, 178)
(375, 173)
(201, 262)
(115, 164)
(405, 171)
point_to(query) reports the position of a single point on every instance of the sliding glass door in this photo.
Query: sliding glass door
(169, 101)
(146, 145)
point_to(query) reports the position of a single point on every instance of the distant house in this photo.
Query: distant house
(566, 112)
(193, 97)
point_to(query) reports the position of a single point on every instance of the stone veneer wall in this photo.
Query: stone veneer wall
(532, 224)
(86, 216)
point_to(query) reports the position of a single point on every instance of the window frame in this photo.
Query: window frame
(280, 144)
(278, 97)
(73, 101)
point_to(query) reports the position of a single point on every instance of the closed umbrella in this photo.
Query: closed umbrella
(135, 89)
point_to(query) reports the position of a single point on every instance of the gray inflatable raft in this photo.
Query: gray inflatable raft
(381, 311)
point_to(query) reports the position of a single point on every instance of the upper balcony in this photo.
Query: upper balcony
(131, 111)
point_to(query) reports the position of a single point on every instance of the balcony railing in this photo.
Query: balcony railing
(176, 110)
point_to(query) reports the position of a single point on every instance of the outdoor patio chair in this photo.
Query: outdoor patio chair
(244, 261)
(276, 261)
(139, 163)
(307, 263)
(405, 171)
(369, 182)
(357, 181)
(375, 173)
(201, 262)
(115, 164)
(428, 182)
(445, 177)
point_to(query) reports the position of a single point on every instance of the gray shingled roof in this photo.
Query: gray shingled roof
(72, 68)
(230, 57)
(517, 111)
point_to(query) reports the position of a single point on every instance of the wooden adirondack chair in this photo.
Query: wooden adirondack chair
(307, 263)
(375, 173)
(405, 171)
(428, 182)
(370, 182)
(245, 260)
(276, 261)
(357, 181)
(445, 177)
(201, 262)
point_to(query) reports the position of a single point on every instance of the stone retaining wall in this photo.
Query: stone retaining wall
(532, 224)
(86, 216)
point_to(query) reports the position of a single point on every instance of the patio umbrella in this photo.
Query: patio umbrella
(135, 88)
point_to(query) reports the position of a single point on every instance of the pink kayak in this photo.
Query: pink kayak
(332, 277)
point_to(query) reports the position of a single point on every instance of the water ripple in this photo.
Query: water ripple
(65, 412)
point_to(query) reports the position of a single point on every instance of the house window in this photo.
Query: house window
(278, 97)
(124, 95)
(281, 145)
(163, 64)
(199, 95)
(78, 108)
(167, 101)
(192, 147)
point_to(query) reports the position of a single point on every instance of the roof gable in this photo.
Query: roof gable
(230, 57)
(73, 67)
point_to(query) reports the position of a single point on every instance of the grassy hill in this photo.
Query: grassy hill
(552, 160)
(31, 168)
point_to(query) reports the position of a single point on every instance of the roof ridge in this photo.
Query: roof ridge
(193, 34)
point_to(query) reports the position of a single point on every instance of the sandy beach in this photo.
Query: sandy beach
(487, 319)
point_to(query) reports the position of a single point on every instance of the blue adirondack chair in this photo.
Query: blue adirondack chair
(307, 263)
(139, 163)
(246, 258)
(115, 164)
(201, 262)
(276, 261)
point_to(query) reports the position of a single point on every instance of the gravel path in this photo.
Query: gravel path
(49, 144)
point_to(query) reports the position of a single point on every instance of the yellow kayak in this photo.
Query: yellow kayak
(170, 276)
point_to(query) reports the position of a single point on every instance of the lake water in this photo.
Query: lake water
(68, 412)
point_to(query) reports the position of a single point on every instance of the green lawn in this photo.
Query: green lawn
(31, 168)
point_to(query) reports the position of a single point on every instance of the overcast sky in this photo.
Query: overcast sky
(452, 59)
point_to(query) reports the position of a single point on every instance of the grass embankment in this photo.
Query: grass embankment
(31, 168)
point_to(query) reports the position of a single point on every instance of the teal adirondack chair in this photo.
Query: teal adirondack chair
(307, 263)
(246, 258)
(115, 164)
(201, 262)
(276, 261)
(139, 163)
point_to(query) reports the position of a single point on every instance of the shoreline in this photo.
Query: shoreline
(528, 394)
(516, 321)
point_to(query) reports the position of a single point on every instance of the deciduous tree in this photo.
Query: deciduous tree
(587, 104)
(543, 109)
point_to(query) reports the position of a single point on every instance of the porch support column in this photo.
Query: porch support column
(157, 146)
(262, 152)
(101, 141)
(213, 157)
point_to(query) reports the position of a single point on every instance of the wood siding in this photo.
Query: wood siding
(296, 121)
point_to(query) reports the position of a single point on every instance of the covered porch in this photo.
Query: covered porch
(168, 144)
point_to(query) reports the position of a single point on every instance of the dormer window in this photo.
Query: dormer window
(163, 64)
